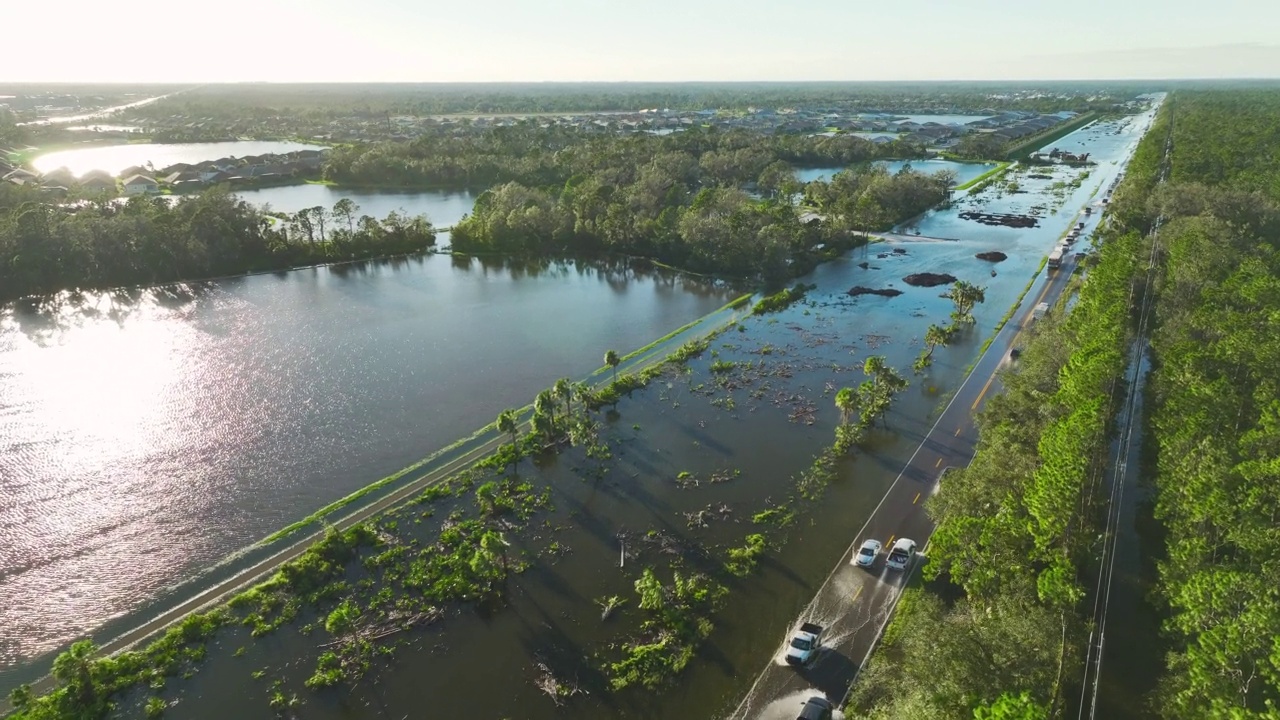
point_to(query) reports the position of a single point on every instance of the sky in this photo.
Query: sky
(658, 40)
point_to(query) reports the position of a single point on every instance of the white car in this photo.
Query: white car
(867, 554)
(904, 550)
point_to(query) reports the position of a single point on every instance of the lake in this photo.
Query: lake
(115, 158)
(444, 208)
(964, 171)
(145, 436)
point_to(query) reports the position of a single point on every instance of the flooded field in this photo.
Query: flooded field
(710, 452)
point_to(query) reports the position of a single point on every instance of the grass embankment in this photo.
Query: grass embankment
(987, 177)
(1024, 148)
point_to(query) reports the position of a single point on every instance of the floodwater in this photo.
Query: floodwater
(443, 207)
(146, 435)
(781, 415)
(115, 158)
(964, 171)
(255, 401)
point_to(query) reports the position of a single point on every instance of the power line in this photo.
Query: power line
(1106, 571)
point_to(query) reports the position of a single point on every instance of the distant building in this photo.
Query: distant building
(97, 183)
(21, 177)
(140, 185)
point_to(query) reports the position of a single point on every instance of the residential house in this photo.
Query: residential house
(62, 176)
(134, 170)
(181, 176)
(140, 185)
(22, 177)
(94, 182)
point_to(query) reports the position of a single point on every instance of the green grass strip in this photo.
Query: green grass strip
(990, 174)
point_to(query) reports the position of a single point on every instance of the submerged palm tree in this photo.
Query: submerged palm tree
(612, 360)
(508, 425)
(846, 403)
(564, 391)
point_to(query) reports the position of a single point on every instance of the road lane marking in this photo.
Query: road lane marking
(891, 537)
(913, 502)
(958, 431)
(939, 463)
(986, 387)
(856, 593)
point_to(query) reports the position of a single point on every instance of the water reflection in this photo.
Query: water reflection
(145, 434)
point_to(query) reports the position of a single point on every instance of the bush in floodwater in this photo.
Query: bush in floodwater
(742, 560)
(781, 300)
(723, 366)
(780, 516)
(679, 620)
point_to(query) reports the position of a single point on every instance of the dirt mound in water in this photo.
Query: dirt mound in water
(993, 256)
(929, 279)
(899, 251)
(886, 292)
(864, 265)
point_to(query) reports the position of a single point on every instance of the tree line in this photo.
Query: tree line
(723, 203)
(47, 248)
(537, 156)
(375, 101)
(1215, 421)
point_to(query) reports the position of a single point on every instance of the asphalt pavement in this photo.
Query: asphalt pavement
(855, 604)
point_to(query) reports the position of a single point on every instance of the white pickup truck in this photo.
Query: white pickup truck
(804, 644)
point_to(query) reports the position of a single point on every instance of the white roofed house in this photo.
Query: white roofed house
(140, 185)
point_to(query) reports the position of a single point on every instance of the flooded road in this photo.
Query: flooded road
(695, 458)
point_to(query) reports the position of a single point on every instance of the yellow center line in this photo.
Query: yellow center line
(939, 463)
(913, 502)
(857, 592)
(958, 432)
(891, 537)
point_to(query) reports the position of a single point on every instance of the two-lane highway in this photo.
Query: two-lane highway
(855, 604)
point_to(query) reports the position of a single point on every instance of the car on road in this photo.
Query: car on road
(904, 550)
(804, 644)
(867, 554)
(816, 708)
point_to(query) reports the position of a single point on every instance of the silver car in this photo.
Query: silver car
(867, 554)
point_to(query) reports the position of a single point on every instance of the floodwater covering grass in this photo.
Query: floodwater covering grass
(986, 177)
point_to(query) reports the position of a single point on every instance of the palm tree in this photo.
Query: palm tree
(847, 403)
(72, 668)
(544, 426)
(612, 360)
(965, 295)
(874, 368)
(936, 335)
(582, 392)
(545, 405)
(507, 424)
(564, 391)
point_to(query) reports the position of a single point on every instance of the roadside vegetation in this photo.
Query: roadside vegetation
(1214, 424)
